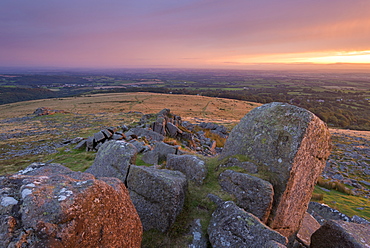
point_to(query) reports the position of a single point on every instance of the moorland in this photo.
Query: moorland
(27, 138)
(341, 99)
(93, 100)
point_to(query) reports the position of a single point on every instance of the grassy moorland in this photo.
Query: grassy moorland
(25, 139)
(340, 99)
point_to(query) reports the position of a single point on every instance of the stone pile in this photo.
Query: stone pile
(158, 194)
(154, 128)
(94, 142)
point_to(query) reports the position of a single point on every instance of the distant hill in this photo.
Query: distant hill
(16, 94)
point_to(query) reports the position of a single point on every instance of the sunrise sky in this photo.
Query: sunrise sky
(184, 34)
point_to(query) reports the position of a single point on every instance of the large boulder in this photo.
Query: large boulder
(252, 193)
(193, 167)
(231, 226)
(338, 233)
(290, 146)
(158, 195)
(114, 159)
(52, 206)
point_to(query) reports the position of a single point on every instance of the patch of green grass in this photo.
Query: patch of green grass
(347, 204)
(76, 160)
(196, 206)
(140, 162)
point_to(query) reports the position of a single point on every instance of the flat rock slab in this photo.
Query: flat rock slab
(338, 233)
(52, 206)
(309, 226)
(253, 194)
(290, 145)
(231, 226)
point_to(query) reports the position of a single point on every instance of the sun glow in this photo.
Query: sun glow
(342, 57)
(353, 57)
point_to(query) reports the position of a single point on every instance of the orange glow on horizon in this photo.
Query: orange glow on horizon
(352, 57)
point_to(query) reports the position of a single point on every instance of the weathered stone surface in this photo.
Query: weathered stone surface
(56, 207)
(309, 226)
(80, 145)
(140, 145)
(46, 111)
(252, 193)
(159, 153)
(292, 145)
(231, 226)
(198, 238)
(193, 167)
(113, 159)
(250, 167)
(90, 143)
(149, 134)
(99, 136)
(337, 233)
(322, 213)
(273, 244)
(159, 126)
(117, 136)
(108, 134)
(359, 220)
(158, 195)
(173, 131)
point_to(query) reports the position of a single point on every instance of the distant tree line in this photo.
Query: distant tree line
(10, 94)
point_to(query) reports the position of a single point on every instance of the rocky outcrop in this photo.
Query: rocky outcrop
(157, 194)
(337, 233)
(114, 159)
(231, 226)
(52, 206)
(47, 111)
(193, 167)
(291, 145)
(252, 193)
(94, 142)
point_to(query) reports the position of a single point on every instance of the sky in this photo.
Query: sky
(184, 34)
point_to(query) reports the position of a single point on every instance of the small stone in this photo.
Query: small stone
(7, 201)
